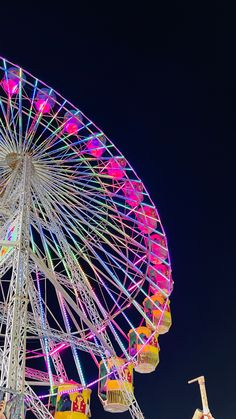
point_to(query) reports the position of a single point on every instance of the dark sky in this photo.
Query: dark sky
(161, 83)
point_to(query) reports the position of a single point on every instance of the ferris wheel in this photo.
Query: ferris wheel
(85, 274)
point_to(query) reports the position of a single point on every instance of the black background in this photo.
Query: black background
(160, 82)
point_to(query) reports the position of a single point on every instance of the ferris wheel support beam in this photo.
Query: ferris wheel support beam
(14, 352)
(35, 405)
(55, 335)
(50, 275)
(5, 264)
(56, 358)
(40, 376)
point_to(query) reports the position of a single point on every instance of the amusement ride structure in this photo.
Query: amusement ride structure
(205, 412)
(85, 273)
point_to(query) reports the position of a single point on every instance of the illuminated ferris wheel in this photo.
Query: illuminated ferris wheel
(84, 264)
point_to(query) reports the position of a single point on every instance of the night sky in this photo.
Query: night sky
(161, 83)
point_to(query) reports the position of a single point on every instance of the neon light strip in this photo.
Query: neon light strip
(135, 285)
(57, 349)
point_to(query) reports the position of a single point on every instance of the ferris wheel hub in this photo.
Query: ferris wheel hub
(12, 159)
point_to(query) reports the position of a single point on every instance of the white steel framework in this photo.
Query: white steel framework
(81, 247)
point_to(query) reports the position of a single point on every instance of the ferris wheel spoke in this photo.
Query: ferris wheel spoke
(64, 280)
(47, 150)
(45, 340)
(103, 240)
(66, 296)
(35, 404)
(55, 336)
(137, 270)
(101, 220)
(68, 330)
(115, 277)
(92, 297)
(8, 131)
(101, 209)
(87, 259)
(30, 118)
(20, 122)
(89, 302)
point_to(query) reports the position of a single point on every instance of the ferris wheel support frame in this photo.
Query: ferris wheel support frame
(56, 358)
(14, 352)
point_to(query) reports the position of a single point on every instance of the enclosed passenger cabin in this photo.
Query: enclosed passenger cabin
(145, 348)
(160, 278)
(147, 219)
(133, 192)
(73, 122)
(115, 393)
(157, 246)
(157, 309)
(45, 100)
(96, 145)
(12, 79)
(70, 402)
(116, 167)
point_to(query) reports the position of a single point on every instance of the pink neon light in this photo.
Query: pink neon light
(161, 276)
(99, 331)
(133, 191)
(43, 106)
(158, 249)
(90, 336)
(58, 348)
(102, 328)
(11, 82)
(96, 146)
(71, 127)
(11, 86)
(147, 218)
(139, 260)
(135, 285)
(44, 101)
(116, 168)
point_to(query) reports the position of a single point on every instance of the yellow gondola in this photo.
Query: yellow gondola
(147, 354)
(114, 393)
(70, 402)
(154, 306)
